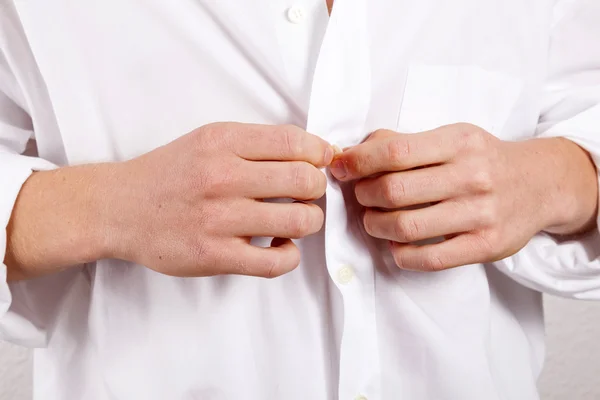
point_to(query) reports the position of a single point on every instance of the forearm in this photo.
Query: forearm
(57, 220)
(570, 184)
(566, 268)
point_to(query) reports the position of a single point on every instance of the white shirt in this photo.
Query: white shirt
(110, 80)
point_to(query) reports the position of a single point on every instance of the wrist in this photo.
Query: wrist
(86, 191)
(54, 222)
(106, 201)
(567, 184)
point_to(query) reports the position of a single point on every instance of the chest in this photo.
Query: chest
(124, 78)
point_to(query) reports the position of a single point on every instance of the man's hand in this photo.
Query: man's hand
(188, 208)
(195, 203)
(485, 196)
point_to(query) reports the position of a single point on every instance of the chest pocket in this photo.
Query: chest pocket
(437, 95)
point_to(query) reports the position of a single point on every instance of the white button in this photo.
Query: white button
(296, 14)
(345, 274)
(360, 398)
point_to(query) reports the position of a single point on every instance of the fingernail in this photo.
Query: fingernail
(329, 153)
(338, 169)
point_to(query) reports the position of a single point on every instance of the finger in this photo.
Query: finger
(284, 220)
(270, 262)
(464, 249)
(402, 189)
(392, 153)
(407, 226)
(295, 180)
(280, 143)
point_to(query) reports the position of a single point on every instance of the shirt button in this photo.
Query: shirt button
(296, 14)
(360, 398)
(345, 274)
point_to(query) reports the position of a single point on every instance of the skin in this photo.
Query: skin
(188, 208)
(485, 196)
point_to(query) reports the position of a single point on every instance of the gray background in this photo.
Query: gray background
(571, 373)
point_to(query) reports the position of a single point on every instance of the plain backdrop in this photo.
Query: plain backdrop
(571, 372)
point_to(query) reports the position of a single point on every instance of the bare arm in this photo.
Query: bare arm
(570, 180)
(57, 220)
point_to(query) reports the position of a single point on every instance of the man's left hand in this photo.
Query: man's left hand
(485, 196)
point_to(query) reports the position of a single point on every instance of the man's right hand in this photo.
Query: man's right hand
(190, 208)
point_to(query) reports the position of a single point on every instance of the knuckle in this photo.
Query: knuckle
(398, 150)
(305, 179)
(463, 127)
(380, 133)
(393, 190)
(407, 229)
(216, 132)
(473, 137)
(432, 262)
(481, 180)
(488, 215)
(212, 128)
(299, 222)
(292, 141)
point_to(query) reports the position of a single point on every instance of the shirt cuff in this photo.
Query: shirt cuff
(568, 268)
(16, 322)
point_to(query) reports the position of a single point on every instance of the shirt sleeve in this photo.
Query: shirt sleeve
(26, 308)
(571, 109)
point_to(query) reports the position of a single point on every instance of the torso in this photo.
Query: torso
(125, 77)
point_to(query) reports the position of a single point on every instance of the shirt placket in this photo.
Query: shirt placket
(300, 26)
(339, 104)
